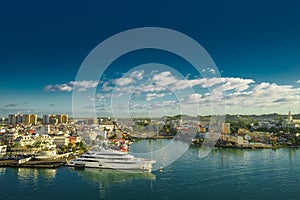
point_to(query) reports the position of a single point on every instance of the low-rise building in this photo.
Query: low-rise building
(107, 126)
(3, 149)
(74, 139)
(24, 140)
(60, 141)
(43, 130)
(9, 137)
(266, 124)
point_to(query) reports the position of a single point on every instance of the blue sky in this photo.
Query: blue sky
(44, 43)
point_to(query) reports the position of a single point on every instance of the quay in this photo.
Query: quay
(37, 163)
(34, 164)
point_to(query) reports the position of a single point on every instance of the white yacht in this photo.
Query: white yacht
(111, 159)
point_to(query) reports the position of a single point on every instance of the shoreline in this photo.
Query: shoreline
(60, 162)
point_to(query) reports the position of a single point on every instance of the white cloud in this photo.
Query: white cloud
(195, 97)
(237, 84)
(186, 83)
(212, 71)
(99, 97)
(123, 81)
(59, 88)
(151, 96)
(129, 78)
(137, 75)
(80, 86)
(106, 86)
(165, 104)
(261, 86)
(298, 81)
(164, 78)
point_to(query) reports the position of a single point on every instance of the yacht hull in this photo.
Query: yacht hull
(111, 159)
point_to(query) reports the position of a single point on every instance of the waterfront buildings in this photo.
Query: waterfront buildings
(290, 122)
(24, 135)
(22, 119)
(24, 140)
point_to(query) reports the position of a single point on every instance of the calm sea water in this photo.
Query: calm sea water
(223, 174)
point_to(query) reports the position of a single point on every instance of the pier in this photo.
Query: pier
(33, 163)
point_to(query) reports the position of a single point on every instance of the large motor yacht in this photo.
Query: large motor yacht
(111, 159)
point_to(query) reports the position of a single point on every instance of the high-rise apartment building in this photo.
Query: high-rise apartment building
(55, 119)
(62, 119)
(29, 119)
(22, 119)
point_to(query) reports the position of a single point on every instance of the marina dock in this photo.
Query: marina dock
(51, 163)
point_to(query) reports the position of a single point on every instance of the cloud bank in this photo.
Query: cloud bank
(156, 90)
(80, 86)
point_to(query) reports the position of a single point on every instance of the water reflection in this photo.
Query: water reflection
(163, 151)
(108, 177)
(48, 173)
(2, 171)
(27, 174)
(293, 152)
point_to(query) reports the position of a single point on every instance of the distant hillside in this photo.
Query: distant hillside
(179, 117)
(229, 117)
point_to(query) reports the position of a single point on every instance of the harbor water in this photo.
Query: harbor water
(223, 174)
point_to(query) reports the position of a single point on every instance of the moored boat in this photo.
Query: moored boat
(111, 159)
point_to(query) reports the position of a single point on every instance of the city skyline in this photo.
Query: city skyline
(257, 53)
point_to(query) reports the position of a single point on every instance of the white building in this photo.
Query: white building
(3, 149)
(290, 122)
(24, 140)
(265, 124)
(107, 127)
(60, 141)
(43, 130)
